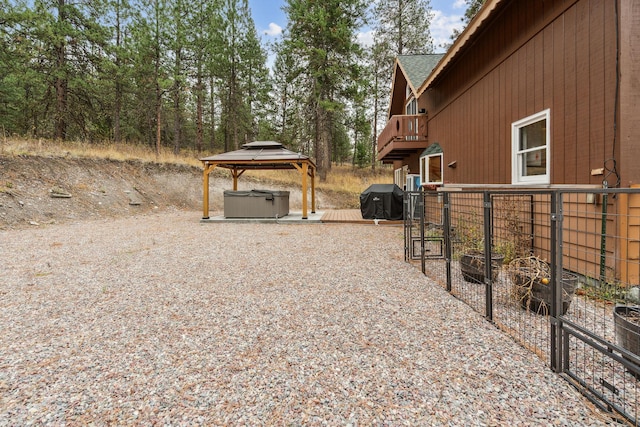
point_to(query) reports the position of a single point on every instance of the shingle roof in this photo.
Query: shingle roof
(417, 68)
(432, 149)
(259, 155)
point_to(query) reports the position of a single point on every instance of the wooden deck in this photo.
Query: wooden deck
(353, 216)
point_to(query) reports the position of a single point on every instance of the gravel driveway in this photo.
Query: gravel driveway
(162, 320)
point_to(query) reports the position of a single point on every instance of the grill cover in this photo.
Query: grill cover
(381, 201)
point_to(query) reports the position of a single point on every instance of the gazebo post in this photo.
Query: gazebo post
(305, 169)
(205, 195)
(313, 191)
(234, 172)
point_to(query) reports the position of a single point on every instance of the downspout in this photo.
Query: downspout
(613, 169)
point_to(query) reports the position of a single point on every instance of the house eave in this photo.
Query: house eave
(466, 37)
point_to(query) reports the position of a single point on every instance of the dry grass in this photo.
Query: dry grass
(341, 178)
(110, 151)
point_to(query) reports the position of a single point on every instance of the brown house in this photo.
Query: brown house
(532, 93)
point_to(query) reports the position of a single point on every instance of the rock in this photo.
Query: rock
(60, 196)
(59, 193)
(134, 200)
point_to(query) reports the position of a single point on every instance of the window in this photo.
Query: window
(412, 125)
(411, 107)
(399, 176)
(530, 138)
(431, 169)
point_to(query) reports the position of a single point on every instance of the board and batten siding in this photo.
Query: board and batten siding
(535, 55)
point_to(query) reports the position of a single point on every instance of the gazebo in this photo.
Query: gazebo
(262, 155)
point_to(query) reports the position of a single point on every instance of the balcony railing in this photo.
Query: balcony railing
(403, 128)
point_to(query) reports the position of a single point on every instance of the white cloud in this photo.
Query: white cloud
(365, 38)
(442, 27)
(460, 4)
(274, 30)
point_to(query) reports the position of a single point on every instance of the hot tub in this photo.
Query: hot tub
(256, 204)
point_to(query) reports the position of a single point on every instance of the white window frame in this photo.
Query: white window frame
(399, 176)
(411, 107)
(517, 178)
(424, 169)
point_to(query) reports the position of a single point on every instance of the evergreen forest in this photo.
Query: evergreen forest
(197, 75)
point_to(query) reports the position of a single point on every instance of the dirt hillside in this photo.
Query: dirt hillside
(35, 191)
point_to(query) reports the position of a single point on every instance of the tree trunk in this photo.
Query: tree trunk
(374, 146)
(323, 151)
(199, 102)
(177, 103)
(158, 120)
(233, 104)
(400, 25)
(212, 139)
(61, 79)
(117, 107)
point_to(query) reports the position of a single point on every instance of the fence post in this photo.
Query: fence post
(406, 223)
(488, 281)
(556, 282)
(446, 224)
(423, 206)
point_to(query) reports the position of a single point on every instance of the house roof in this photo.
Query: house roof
(488, 10)
(416, 68)
(432, 149)
(258, 155)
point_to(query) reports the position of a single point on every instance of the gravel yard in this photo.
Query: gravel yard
(159, 319)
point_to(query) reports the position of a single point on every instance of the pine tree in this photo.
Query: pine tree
(59, 48)
(118, 69)
(178, 35)
(380, 81)
(289, 104)
(206, 45)
(144, 70)
(403, 26)
(473, 6)
(152, 69)
(322, 36)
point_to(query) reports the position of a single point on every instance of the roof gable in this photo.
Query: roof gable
(489, 9)
(416, 68)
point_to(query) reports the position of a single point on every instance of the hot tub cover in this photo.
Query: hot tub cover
(382, 201)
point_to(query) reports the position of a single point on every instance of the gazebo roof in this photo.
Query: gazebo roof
(259, 155)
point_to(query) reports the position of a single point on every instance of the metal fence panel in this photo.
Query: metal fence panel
(557, 270)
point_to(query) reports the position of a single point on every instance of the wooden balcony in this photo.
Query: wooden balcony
(404, 135)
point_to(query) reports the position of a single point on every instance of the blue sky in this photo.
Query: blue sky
(270, 19)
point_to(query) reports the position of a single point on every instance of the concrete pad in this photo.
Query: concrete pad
(291, 218)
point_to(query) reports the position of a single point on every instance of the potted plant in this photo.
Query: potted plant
(472, 266)
(627, 326)
(532, 279)
(472, 258)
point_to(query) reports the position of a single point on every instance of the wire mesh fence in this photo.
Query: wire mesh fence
(557, 270)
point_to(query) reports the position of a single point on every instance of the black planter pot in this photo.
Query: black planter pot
(472, 266)
(536, 296)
